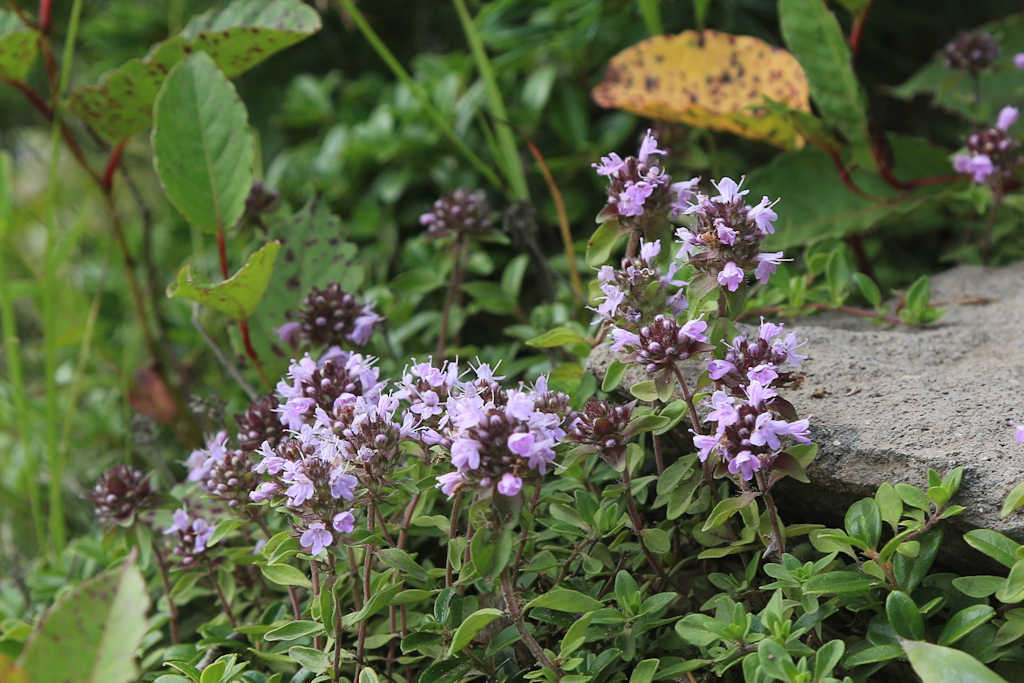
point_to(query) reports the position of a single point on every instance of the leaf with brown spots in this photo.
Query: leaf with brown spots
(709, 80)
(237, 296)
(92, 634)
(237, 37)
(17, 46)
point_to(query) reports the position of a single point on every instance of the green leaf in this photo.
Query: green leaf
(237, 37)
(913, 496)
(560, 336)
(869, 290)
(202, 146)
(775, 661)
(565, 600)
(838, 582)
(627, 592)
(937, 664)
(602, 242)
(890, 505)
(368, 675)
(645, 390)
(293, 630)
(864, 521)
(404, 562)
(904, 616)
(285, 575)
(237, 296)
(92, 632)
(380, 600)
(613, 377)
(727, 508)
(965, 621)
(1013, 501)
(472, 625)
(657, 540)
(827, 657)
(1013, 590)
(575, 636)
(309, 658)
(978, 586)
(872, 655)
(644, 671)
(1000, 548)
(18, 45)
(813, 35)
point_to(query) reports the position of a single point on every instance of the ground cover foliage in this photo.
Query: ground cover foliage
(297, 303)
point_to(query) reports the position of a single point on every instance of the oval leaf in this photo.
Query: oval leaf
(565, 600)
(237, 296)
(18, 45)
(472, 625)
(937, 664)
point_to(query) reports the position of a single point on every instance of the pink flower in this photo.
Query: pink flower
(316, 538)
(609, 165)
(1007, 117)
(180, 523)
(510, 484)
(728, 190)
(203, 531)
(649, 146)
(763, 216)
(649, 250)
(745, 463)
(622, 338)
(344, 522)
(287, 333)
(731, 276)
(448, 483)
(767, 262)
(979, 166)
(1019, 435)
(465, 454)
(521, 443)
(263, 492)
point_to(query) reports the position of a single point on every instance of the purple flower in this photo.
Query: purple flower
(263, 492)
(767, 262)
(717, 369)
(726, 235)
(694, 329)
(724, 411)
(631, 200)
(294, 411)
(731, 276)
(510, 484)
(728, 190)
(649, 146)
(363, 326)
(649, 250)
(343, 485)
(288, 333)
(1007, 117)
(1018, 60)
(609, 165)
(203, 531)
(519, 405)
(622, 338)
(978, 165)
(704, 445)
(745, 463)
(448, 483)
(316, 538)
(181, 522)
(763, 216)
(764, 373)
(465, 454)
(683, 191)
(344, 522)
(300, 491)
(521, 443)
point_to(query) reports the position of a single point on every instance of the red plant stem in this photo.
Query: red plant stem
(658, 461)
(34, 97)
(844, 175)
(45, 15)
(857, 29)
(860, 312)
(222, 252)
(856, 243)
(172, 610)
(113, 161)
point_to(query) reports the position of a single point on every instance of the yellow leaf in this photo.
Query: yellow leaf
(710, 80)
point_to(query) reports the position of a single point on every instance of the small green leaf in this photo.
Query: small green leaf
(404, 562)
(657, 540)
(645, 391)
(873, 655)
(472, 625)
(775, 661)
(293, 630)
(978, 586)
(309, 658)
(965, 621)
(285, 575)
(1000, 548)
(838, 582)
(18, 44)
(868, 289)
(1013, 501)
(904, 616)
(613, 377)
(202, 147)
(368, 675)
(890, 505)
(93, 632)
(727, 508)
(237, 296)
(380, 600)
(565, 600)
(913, 496)
(1013, 590)
(827, 657)
(644, 671)
(575, 636)
(560, 336)
(937, 664)
(864, 521)
(602, 242)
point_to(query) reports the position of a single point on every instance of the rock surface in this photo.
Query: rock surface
(890, 403)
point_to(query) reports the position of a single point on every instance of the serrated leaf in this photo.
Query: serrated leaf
(237, 37)
(203, 150)
(938, 664)
(472, 625)
(710, 80)
(813, 35)
(18, 45)
(237, 296)
(565, 600)
(96, 629)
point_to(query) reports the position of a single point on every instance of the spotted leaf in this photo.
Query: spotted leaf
(17, 46)
(710, 80)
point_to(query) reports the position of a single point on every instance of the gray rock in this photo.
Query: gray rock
(890, 403)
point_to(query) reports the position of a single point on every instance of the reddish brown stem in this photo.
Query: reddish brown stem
(844, 175)
(563, 220)
(638, 527)
(172, 610)
(113, 161)
(864, 264)
(220, 594)
(512, 605)
(860, 312)
(857, 29)
(45, 15)
(449, 300)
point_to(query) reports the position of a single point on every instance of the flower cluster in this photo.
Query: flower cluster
(761, 359)
(193, 535)
(496, 437)
(426, 389)
(461, 212)
(260, 422)
(602, 426)
(631, 292)
(639, 187)
(329, 317)
(748, 436)
(120, 493)
(336, 375)
(724, 241)
(992, 154)
(972, 51)
(661, 344)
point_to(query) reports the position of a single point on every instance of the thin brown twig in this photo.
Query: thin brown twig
(512, 605)
(458, 249)
(172, 609)
(563, 218)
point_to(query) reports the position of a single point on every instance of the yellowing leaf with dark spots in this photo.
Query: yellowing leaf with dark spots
(709, 80)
